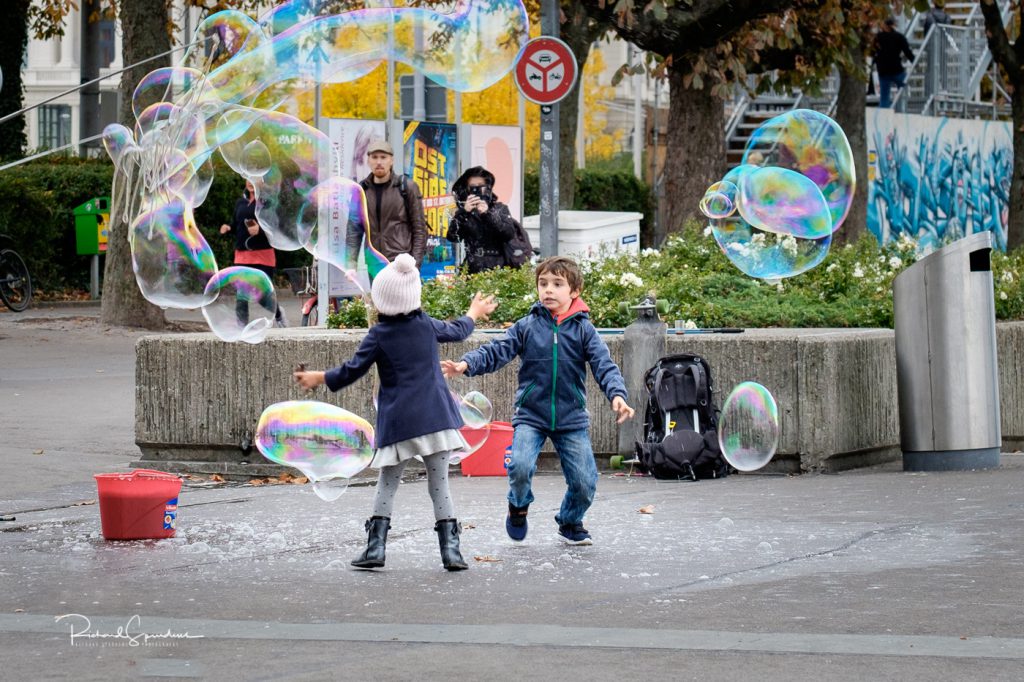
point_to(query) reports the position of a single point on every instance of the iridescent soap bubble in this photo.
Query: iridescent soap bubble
(748, 429)
(324, 442)
(172, 261)
(767, 255)
(794, 189)
(224, 95)
(244, 304)
(476, 412)
(339, 201)
(255, 159)
(785, 202)
(813, 145)
(297, 158)
(719, 200)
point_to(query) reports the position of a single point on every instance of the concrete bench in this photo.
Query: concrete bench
(198, 399)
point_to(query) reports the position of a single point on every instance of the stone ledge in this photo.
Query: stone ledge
(198, 399)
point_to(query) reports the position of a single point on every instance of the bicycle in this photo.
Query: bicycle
(15, 282)
(303, 281)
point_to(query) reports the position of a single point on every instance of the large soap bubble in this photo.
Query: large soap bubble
(244, 305)
(477, 412)
(342, 200)
(748, 429)
(225, 96)
(172, 261)
(793, 190)
(324, 442)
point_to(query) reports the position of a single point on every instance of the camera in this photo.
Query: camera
(482, 191)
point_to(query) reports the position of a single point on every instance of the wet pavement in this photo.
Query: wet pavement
(872, 573)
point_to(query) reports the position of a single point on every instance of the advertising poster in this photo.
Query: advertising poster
(430, 159)
(349, 141)
(499, 149)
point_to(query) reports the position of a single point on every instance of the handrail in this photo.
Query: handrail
(737, 115)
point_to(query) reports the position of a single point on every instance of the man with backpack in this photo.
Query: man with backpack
(493, 238)
(395, 209)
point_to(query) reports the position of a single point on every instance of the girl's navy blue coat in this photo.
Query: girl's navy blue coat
(414, 399)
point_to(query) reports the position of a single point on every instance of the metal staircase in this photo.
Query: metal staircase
(952, 75)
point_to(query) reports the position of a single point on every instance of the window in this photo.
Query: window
(107, 43)
(54, 126)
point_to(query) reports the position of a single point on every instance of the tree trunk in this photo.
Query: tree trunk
(13, 39)
(568, 120)
(1015, 223)
(144, 27)
(579, 32)
(850, 115)
(696, 144)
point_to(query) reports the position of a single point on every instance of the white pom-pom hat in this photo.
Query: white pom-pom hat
(396, 289)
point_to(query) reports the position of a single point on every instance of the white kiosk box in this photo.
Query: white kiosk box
(589, 233)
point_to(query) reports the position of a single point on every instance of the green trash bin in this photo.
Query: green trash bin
(91, 231)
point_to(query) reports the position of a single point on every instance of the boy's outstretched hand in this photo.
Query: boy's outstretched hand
(620, 407)
(450, 368)
(308, 380)
(481, 307)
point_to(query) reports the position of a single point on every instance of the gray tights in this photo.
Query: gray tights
(437, 484)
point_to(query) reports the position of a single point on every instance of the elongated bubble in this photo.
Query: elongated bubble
(324, 442)
(239, 90)
(243, 306)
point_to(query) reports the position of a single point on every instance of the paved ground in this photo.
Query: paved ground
(871, 574)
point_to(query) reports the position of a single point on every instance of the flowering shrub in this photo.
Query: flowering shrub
(852, 288)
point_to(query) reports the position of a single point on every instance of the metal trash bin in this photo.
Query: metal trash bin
(946, 371)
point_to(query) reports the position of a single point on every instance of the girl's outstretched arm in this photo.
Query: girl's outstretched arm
(457, 330)
(353, 370)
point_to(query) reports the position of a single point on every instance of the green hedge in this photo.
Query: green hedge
(852, 288)
(599, 190)
(38, 215)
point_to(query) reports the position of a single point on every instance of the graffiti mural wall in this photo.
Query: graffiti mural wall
(937, 179)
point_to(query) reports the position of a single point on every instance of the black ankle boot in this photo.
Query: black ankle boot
(376, 537)
(448, 536)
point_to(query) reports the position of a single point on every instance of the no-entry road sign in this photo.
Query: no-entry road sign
(546, 70)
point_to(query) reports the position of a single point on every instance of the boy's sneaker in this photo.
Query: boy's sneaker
(574, 534)
(515, 522)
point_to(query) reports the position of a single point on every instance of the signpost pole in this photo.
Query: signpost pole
(549, 143)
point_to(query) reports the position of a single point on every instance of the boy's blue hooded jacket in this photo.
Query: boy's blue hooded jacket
(553, 368)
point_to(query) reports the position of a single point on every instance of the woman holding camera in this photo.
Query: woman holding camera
(252, 249)
(482, 222)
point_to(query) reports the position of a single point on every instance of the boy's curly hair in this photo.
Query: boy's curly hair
(561, 266)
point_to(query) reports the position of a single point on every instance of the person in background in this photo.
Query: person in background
(936, 15)
(394, 206)
(482, 222)
(252, 249)
(890, 48)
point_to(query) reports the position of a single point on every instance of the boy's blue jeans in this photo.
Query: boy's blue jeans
(578, 467)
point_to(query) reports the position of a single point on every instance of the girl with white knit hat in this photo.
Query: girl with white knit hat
(416, 415)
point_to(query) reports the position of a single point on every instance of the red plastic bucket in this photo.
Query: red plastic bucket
(491, 458)
(138, 505)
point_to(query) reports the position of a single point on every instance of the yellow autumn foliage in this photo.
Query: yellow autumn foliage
(366, 98)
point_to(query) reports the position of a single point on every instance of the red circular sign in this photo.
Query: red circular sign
(546, 70)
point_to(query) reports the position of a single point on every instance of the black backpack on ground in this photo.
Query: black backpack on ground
(518, 250)
(681, 421)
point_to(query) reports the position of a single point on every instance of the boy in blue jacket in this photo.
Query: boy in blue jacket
(555, 341)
